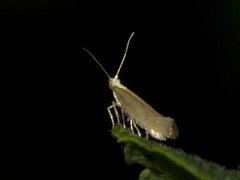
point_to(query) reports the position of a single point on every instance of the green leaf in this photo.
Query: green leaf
(166, 163)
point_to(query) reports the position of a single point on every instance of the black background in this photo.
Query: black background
(184, 60)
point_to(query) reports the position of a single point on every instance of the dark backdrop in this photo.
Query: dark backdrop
(183, 60)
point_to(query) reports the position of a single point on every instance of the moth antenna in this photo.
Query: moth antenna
(124, 55)
(95, 59)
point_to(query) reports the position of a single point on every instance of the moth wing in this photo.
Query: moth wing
(144, 115)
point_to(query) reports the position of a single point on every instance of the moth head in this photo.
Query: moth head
(115, 82)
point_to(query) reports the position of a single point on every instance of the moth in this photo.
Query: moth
(138, 112)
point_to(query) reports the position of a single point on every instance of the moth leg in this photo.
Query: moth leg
(110, 114)
(113, 106)
(131, 125)
(134, 124)
(146, 134)
(123, 119)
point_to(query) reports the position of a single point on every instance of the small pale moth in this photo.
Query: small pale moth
(137, 111)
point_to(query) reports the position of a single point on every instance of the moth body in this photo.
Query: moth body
(139, 113)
